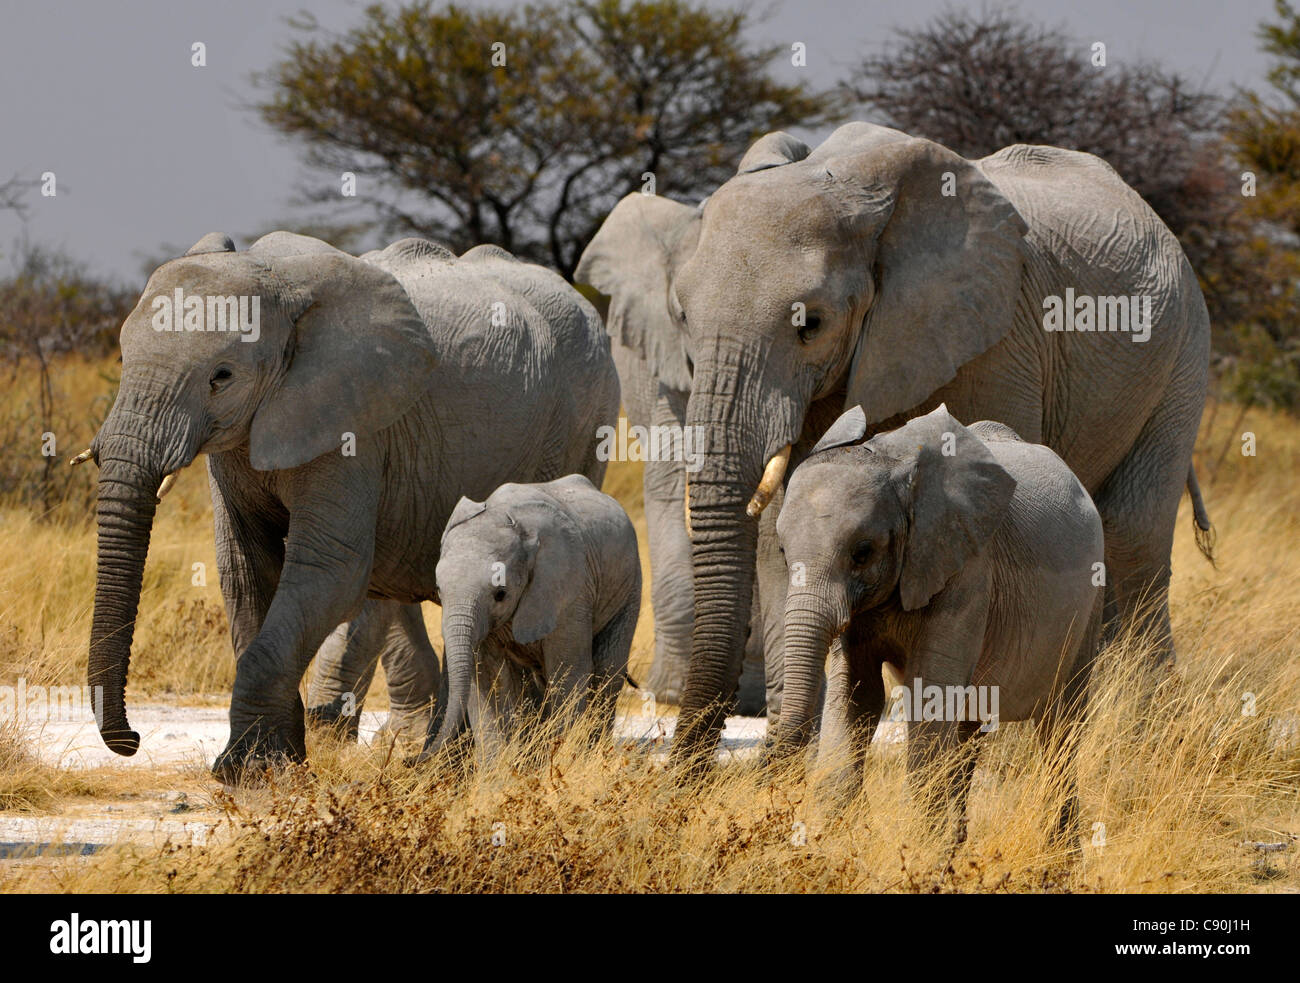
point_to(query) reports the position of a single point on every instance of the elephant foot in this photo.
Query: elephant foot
(330, 717)
(258, 749)
(408, 726)
(666, 686)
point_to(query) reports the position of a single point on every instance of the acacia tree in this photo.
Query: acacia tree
(979, 82)
(523, 127)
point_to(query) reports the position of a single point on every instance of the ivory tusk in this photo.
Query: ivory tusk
(81, 458)
(772, 476)
(166, 486)
(686, 507)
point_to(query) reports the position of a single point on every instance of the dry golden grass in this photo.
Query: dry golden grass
(1171, 785)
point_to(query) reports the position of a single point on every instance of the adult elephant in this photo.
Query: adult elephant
(626, 270)
(885, 271)
(357, 402)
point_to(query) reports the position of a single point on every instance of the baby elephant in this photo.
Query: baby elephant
(965, 558)
(540, 589)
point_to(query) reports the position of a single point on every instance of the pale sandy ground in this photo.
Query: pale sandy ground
(180, 739)
(188, 739)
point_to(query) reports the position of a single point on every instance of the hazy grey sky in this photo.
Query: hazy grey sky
(148, 150)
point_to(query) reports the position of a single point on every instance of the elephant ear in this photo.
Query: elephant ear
(465, 510)
(632, 261)
(772, 150)
(948, 259)
(555, 544)
(213, 242)
(850, 428)
(958, 496)
(357, 358)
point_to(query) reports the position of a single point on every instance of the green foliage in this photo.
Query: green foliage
(533, 153)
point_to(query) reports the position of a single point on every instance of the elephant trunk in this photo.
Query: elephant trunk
(132, 465)
(125, 518)
(463, 629)
(811, 625)
(743, 418)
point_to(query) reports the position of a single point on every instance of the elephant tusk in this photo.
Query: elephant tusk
(81, 458)
(772, 476)
(686, 507)
(166, 486)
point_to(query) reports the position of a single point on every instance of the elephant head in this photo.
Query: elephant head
(885, 522)
(875, 265)
(272, 354)
(514, 560)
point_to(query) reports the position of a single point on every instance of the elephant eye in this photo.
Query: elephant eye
(500, 594)
(810, 328)
(861, 553)
(221, 375)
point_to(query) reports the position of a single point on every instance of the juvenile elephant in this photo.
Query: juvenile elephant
(540, 588)
(354, 406)
(883, 271)
(966, 559)
(626, 270)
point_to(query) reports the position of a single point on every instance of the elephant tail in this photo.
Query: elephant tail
(630, 681)
(1204, 531)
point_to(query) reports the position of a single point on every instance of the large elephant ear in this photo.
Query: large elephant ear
(359, 355)
(772, 150)
(948, 260)
(632, 261)
(555, 543)
(958, 494)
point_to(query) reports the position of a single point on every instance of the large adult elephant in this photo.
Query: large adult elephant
(885, 271)
(626, 270)
(345, 418)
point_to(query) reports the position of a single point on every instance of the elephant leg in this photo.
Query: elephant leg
(672, 593)
(609, 653)
(495, 701)
(327, 562)
(751, 691)
(1138, 503)
(250, 553)
(855, 701)
(345, 667)
(948, 745)
(1060, 728)
(411, 668)
(568, 665)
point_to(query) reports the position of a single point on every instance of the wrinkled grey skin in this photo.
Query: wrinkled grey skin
(541, 590)
(915, 297)
(385, 633)
(627, 270)
(378, 393)
(962, 557)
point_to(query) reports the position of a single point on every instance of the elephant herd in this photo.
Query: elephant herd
(938, 414)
